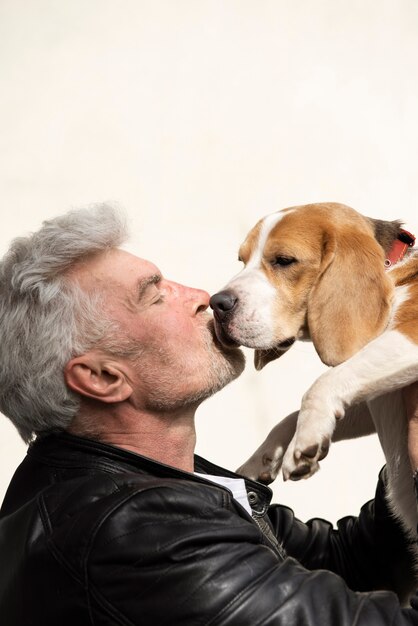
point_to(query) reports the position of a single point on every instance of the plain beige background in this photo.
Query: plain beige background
(199, 117)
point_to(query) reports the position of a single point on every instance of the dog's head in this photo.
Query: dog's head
(311, 272)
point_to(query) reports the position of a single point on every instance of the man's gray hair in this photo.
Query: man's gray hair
(46, 318)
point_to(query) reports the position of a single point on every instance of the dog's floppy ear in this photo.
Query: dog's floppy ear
(349, 304)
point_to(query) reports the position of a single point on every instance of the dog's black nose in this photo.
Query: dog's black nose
(222, 303)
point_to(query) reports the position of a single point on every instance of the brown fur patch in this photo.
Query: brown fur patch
(406, 318)
(405, 273)
(247, 247)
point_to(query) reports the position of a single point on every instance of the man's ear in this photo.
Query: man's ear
(94, 376)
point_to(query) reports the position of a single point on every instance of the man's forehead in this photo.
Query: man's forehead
(113, 266)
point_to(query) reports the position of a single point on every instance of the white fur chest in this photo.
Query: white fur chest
(389, 417)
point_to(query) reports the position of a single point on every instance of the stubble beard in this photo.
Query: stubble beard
(218, 368)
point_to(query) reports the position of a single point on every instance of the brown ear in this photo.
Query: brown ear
(349, 304)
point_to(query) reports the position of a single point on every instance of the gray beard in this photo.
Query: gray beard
(223, 366)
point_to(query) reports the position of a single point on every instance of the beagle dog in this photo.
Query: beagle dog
(348, 283)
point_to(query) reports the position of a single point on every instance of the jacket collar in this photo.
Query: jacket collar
(65, 450)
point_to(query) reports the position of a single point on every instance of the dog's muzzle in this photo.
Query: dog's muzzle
(223, 304)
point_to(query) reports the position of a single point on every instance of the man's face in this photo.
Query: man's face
(179, 361)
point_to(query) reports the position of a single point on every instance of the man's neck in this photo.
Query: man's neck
(164, 437)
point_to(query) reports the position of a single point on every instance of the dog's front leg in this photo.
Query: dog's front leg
(385, 364)
(265, 463)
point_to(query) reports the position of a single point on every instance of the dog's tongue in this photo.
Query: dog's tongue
(262, 357)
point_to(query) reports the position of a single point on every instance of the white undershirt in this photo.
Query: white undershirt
(236, 485)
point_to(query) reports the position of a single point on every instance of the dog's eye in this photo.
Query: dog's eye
(283, 261)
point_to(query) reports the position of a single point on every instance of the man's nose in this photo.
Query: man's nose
(199, 299)
(190, 297)
(223, 303)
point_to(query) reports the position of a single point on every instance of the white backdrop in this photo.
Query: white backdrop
(199, 117)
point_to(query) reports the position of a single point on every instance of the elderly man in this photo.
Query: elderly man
(103, 364)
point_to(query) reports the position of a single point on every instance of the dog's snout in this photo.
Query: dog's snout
(223, 303)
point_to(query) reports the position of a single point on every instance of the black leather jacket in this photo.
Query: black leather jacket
(95, 535)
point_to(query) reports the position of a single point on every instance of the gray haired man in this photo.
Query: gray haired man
(111, 519)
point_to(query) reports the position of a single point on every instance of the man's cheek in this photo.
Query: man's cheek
(178, 326)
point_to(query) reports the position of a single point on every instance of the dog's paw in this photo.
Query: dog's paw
(264, 465)
(309, 446)
(303, 463)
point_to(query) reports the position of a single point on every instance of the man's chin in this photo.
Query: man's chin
(237, 358)
(224, 366)
(229, 358)
(230, 350)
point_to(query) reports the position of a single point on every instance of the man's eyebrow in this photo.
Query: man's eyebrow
(144, 283)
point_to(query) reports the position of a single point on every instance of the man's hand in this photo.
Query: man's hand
(410, 395)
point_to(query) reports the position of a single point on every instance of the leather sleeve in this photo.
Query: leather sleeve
(175, 554)
(369, 551)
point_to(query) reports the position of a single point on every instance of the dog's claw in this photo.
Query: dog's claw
(324, 449)
(300, 472)
(265, 477)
